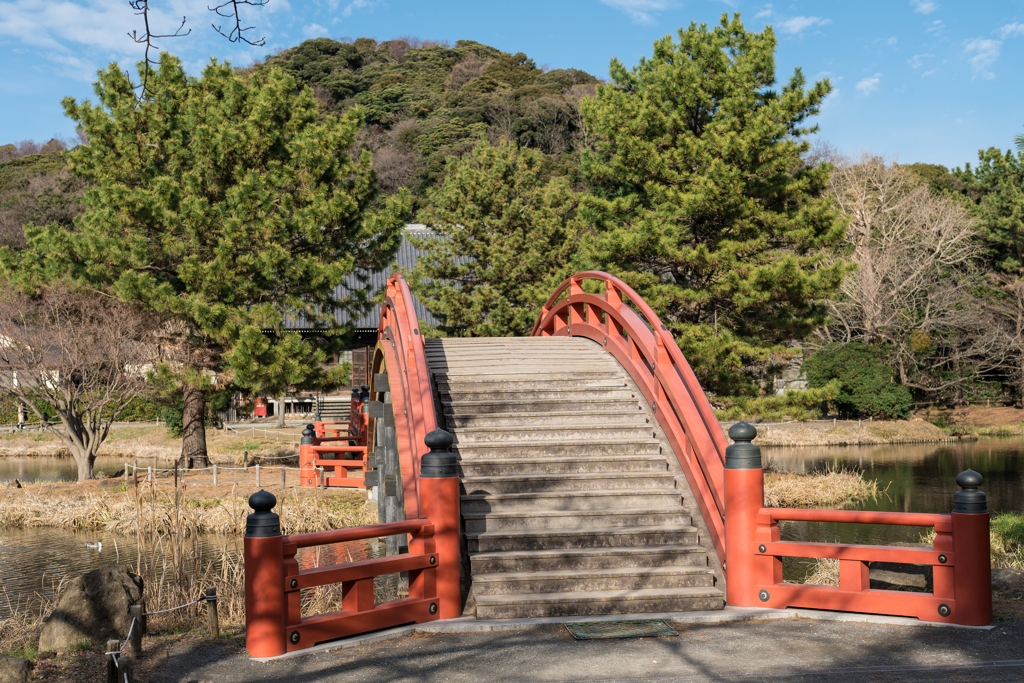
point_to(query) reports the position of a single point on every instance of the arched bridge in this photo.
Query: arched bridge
(587, 475)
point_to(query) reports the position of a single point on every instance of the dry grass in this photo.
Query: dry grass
(849, 433)
(834, 488)
(824, 572)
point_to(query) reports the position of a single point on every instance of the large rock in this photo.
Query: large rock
(1008, 581)
(92, 609)
(14, 669)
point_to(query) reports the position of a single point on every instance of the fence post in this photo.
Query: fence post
(744, 497)
(112, 646)
(211, 611)
(257, 474)
(439, 498)
(245, 459)
(136, 613)
(214, 474)
(973, 571)
(306, 457)
(149, 474)
(284, 475)
(125, 669)
(264, 578)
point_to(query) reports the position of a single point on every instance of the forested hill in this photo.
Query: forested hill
(425, 101)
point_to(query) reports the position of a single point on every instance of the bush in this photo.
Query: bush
(793, 405)
(866, 388)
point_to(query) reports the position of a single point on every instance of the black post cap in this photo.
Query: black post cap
(355, 392)
(742, 455)
(364, 392)
(439, 462)
(970, 499)
(262, 522)
(307, 435)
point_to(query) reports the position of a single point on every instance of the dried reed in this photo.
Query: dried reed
(833, 488)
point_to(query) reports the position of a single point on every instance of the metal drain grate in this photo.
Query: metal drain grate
(633, 628)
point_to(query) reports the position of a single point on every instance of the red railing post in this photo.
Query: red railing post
(973, 572)
(307, 456)
(265, 605)
(744, 497)
(439, 502)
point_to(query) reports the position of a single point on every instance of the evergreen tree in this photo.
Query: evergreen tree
(224, 205)
(996, 185)
(701, 201)
(505, 238)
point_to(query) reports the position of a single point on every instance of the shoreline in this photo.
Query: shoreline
(851, 433)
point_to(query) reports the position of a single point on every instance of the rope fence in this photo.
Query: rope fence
(120, 667)
(130, 468)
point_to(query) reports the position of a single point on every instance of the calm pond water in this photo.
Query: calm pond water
(916, 478)
(47, 468)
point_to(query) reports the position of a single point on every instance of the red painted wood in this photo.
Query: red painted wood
(265, 608)
(865, 553)
(924, 606)
(324, 627)
(358, 533)
(973, 583)
(853, 516)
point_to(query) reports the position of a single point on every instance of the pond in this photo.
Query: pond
(49, 468)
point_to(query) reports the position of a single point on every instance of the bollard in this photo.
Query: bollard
(744, 497)
(125, 669)
(112, 647)
(211, 611)
(264, 578)
(306, 457)
(973, 578)
(257, 474)
(214, 474)
(136, 613)
(439, 498)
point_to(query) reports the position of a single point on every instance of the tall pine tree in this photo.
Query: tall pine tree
(505, 240)
(225, 205)
(701, 201)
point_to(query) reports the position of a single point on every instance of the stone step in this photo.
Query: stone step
(474, 435)
(550, 449)
(502, 374)
(479, 467)
(581, 580)
(568, 520)
(576, 500)
(600, 481)
(526, 397)
(553, 417)
(477, 385)
(554, 539)
(648, 600)
(586, 558)
(582, 404)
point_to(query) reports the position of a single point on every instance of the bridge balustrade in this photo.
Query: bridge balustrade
(274, 582)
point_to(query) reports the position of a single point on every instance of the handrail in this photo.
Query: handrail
(356, 533)
(646, 349)
(410, 382)
(855, 517)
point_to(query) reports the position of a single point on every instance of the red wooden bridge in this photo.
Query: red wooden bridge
(579, 471)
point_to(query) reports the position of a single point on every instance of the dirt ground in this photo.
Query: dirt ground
(976, 416)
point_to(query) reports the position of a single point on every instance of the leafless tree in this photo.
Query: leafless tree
(503, 114)
(917, 259)
(83, 357)
(465, 71)
(574, 96)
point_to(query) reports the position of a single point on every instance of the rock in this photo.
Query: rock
(93, 608)
(14, 484)
(1008, 580)
(896, 576)
(101, 475)
(14, 669)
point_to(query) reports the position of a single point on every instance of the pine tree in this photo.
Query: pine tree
(701, 201)
(505, 239)
(225, 205)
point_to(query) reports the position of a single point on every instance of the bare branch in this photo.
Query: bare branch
(141, 8)
(236, 34)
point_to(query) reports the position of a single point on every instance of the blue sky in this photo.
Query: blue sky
(915, 80)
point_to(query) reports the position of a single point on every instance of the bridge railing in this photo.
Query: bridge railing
(274, 582)
(621, 321)
(959, 556)
(409, 380)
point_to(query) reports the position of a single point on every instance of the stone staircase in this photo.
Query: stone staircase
(569, 503)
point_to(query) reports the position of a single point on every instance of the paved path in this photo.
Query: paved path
(779, 650)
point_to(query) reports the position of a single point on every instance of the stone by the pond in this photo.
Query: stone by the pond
(896, 576)
(1008, 581)
(93, 608)
(14, 669)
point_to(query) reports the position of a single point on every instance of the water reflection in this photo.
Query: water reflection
(49, 468)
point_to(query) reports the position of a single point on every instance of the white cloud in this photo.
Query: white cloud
(1010, 30)
(983, 54)
(917, 61)
(766, 12)
(314, 30)
(358, 5)
(640, 11)
(935, 26)
(928, 73)
(868, 85)
(795, 25)
(923, 6)
(891, 41)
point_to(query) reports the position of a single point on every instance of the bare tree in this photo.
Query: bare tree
(83, 357)
(917, 256)
(574, 96)
(503, 115)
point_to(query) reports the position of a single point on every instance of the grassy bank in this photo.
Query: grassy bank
(831, 489)
(146, 443)
(849, 433)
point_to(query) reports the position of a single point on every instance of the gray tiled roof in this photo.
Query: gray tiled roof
(405, 259)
